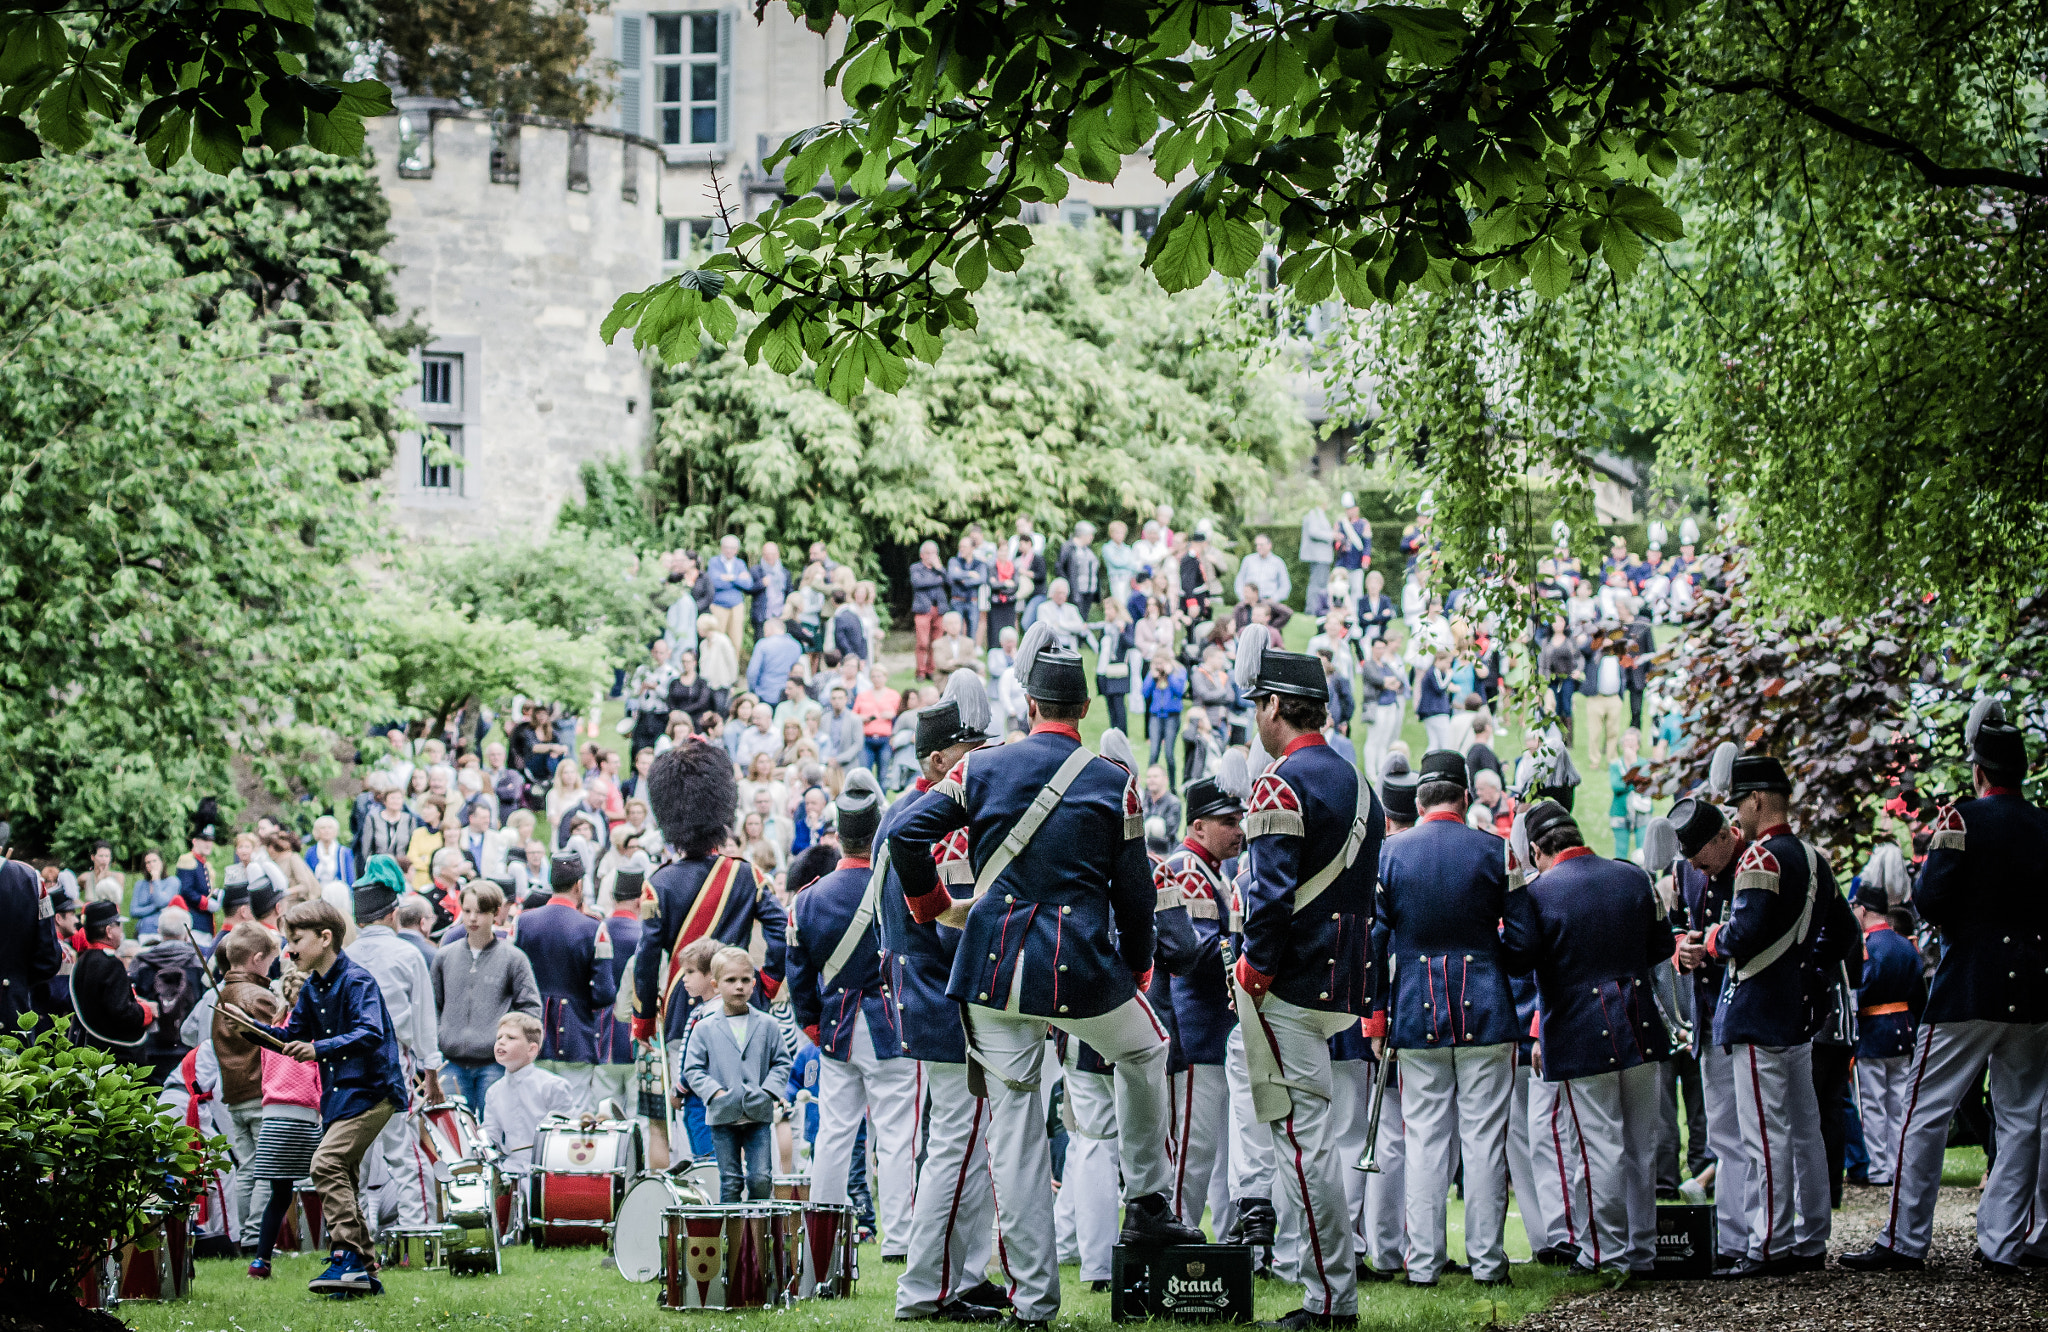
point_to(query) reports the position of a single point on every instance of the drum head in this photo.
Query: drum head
(636, 1239)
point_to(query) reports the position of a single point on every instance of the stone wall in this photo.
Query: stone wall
(512, 277)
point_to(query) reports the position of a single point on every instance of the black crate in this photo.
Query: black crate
(1685, 1242)
(1197, 1283)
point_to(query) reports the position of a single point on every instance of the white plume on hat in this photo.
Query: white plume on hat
(1518, 840)
(1256, 759)
(1983, 710)
(1034, 642)
(1887, 869)
(1660, 845)
(1234, 774)
(1658, 534)
(1252, 641)
(1116, 747)
(1721, 772)
(1560, 532)
(1688, 532)
(966, 690)
(1346, 500)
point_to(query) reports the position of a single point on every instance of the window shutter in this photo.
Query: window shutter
(725, 30)
(632, 64)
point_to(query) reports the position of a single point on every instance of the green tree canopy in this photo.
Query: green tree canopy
(178, 560)
(432, 659)
(1086, 392)
(576, 581)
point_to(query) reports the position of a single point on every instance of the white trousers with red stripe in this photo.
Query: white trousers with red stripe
(1451, 1098)
(1779, 1116)
(1551, 1150)
(2037, 1237)
(1090, 1181)
(884, 1092)
(1882, 1086)
(1350, 1100)
(1615, 1117)
(1251, 1146)
(1948, 1058)
(953, 1207)
(1306, 1161)
(1734, 1185)
(1011, 1047)
(1386, 1193)
(1200, 1101)
(408, 1176)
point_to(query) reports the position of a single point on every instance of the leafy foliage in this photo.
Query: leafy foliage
(1374, 149)
(84, 1149)
(1085, 392)
(1849, 706)
(178, 584)
(617, 505)
(432, 660)
(575, 581)
(509, 55)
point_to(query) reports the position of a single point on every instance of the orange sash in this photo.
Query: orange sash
(1879, 1010)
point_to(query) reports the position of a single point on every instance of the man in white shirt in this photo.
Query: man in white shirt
(1264, 571)
(407, 984)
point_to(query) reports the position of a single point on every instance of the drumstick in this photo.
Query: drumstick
(221, 1006)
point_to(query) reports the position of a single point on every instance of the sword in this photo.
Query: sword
(1369, 1159)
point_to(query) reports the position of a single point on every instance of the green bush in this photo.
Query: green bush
(85, 1151)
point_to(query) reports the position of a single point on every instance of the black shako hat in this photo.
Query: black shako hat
(858, 810)
(565, 869)
(206, 820)
(1696, 822)
(99, 912)
(1996, 745)
(1397, 793)
(1543, 816)
(264, 900)
(1204, 799)
(1443, 765)
(1263, 669)
(1048, 672)
(937, 727)
(1758, 772)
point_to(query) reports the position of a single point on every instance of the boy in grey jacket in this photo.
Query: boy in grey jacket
(478, 979)
(736, 1065)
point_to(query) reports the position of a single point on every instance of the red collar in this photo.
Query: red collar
(563, 899)
(1572, 853)
(922, 784)
(1200, 850)
(631, 908)
(1775, 830)
(1067, 729)
(854, 862)
(1875, 926)
(94, 945)
(2001, 790)
(1442, 816)
(1303, 742)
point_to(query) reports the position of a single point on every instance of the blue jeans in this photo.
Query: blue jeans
(756, 1142)
(473, 1080)
(879, 749)
(1162, 729)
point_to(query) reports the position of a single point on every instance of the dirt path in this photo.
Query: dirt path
(1952, 1295)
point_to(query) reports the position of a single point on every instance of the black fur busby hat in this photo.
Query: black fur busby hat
(692, 794)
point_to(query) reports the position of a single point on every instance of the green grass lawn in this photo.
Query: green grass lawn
(546, 1289)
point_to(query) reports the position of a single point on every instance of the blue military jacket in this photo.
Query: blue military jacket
(1174, 954)
(1201, 998)
(1451, 923)
(1296, 823)
(1893, 995)
(1994, 963)
(615, 1037)
(818, 919)
(572, 967)
(917, 959)
(665, 904)
(1707, 899)
(29, 953)
(1074, 907)
(1528, 1009)
(1597, 933)
(1774, 1007)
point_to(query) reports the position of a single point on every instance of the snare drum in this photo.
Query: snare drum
(792, 1188)
(828, 1259)
(418, 1248)
(730, 1257)
(581, 1169)
(471, 1194)
(155, 1265)
(637, 1236)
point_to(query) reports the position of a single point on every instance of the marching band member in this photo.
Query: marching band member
(1055, 836)
(1201, 998)
(954, 1203)
(1452, 922)
(1988, 1005)
(571, 952)
(1889, 1004)
(1595, 935)
(1312, 835)
(1384, 1254)
(835, 989)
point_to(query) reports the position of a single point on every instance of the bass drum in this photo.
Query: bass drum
(637, 1235)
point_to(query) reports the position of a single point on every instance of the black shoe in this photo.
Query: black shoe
(987, 1294)
(1100, 1287)
(1454, 1269)
(1367, 1272)
(1502, 1280)
(1749, 1268)
(1411, 1281)
(1149, 1221)
(2030, 1260)
(1255, 1223)
(895, 1257)
(1804, 1262)
(1557, 1255)
(1301, 1320)
(960, 1311)
(1877, 1258)
(1668, 1195)
(1996, 1268)
(1724, 1261)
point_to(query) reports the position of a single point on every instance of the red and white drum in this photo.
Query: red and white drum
(637, 1248)
(155, 1265)
(828, 1259)
(731, 1257)
(581, 1170)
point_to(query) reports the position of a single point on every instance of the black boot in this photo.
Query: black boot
(1877, 1258)
(1149, 1221)
(1255, 1224)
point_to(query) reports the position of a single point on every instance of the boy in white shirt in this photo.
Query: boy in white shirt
(517, 1102)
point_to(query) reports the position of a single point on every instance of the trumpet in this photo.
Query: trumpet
(1369, 1159)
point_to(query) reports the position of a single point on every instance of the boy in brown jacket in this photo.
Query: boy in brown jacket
(248, 952)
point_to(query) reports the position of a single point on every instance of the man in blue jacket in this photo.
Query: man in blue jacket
(1888, 1008)
(836, 992)
(1595, 934)
(1059, 934)
(571, 952)
(1202, 1013)
(1312, 832)
(1988, 1005)
(1453, 922)
(955, 1205)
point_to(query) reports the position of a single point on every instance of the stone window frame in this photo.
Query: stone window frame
(465, 415)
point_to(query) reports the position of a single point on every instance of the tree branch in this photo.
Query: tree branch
(1933, 172)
